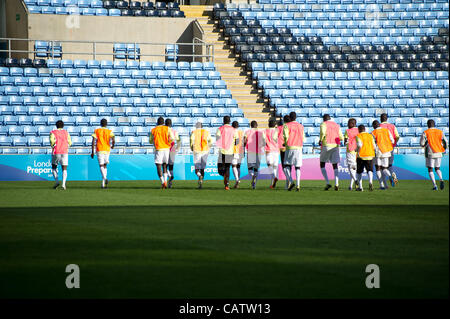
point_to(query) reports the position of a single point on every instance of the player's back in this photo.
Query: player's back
(161, 137)
(383, 139)
(103, 136)
(61, 141)
(351, 135)
(296, 134)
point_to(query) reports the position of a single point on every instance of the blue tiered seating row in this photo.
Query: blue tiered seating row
(105, 8)
(131, 98)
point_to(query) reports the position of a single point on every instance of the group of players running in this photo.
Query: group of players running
(283, 141)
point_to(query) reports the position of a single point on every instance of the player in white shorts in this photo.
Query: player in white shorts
(329, 140)
(161, 137)
(60, 141)
(272, 151)
(238, 154)
(350, 159)
(200, 142)
(101, 142)
(174, 147)
(385, 145)
(435, 145)
(254, 142)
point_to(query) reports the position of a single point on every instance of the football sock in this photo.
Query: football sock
(236, 173)
(287, 172)
(165, 177)
(439, 174)
(359, 177)
(352, 175)
(370, 177)
(432, 178)
(199, 173)
(161, 178)
(55, 174)
(103, 171)
(275, 171)
(64, 178)
(386, 172)
(325, 175)
(380, 179)
(298, 175)
(336, 176)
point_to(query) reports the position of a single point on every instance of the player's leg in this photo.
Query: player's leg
(64, 164)
(160, 173)
(336, 176)
(335, 159)
(369, 170)
(433, 180)
(351, 164)
(379, 175)
(386, 172)
(165, 173)
(64, 180)
(359, 171)
(441, 180)
(55, 174)
(234, 168)
(391, 168)
(275, 163)
(269, 166)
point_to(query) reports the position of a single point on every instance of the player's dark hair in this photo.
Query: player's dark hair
(293, 116)
(59, 124)
(272, 123)
(286, 119)
(361, 128)
(351, 122)
(226, 119)
(103, 122)
(160, 121)
(235, 124)
(199, 124)
(326, 117)
(280, 122)
(430, 123)
(383, 117)
(375, 124)
(254, 124)
(168, 122)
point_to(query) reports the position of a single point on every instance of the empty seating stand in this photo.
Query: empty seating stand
(347, 58)
(131, 94)
(105, 8)
(127, 51)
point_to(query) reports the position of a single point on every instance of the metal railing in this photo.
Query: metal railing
(141, 49)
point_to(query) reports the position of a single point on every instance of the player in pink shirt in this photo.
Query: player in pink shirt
(60, 141)
(254, 142)
(350, 142)
(272, 151)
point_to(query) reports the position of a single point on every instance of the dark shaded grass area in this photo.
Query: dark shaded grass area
(217, 251)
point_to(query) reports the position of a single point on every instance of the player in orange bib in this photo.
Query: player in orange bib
(385, 145)
(162, 137)
(435, 144)
(103, 141)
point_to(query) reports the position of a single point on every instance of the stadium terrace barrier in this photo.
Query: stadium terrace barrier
(200, 50)
(142, 167)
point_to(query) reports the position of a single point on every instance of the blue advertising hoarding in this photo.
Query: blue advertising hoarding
(142, 167)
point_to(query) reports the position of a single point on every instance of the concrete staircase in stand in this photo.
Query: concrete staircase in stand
(231, 70)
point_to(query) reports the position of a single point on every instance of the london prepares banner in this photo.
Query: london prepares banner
(142, 167)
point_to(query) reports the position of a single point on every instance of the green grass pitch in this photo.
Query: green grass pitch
(134, 240)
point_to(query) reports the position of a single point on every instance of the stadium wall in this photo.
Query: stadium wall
(17, 26)
(99, 28)
(142, 167)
